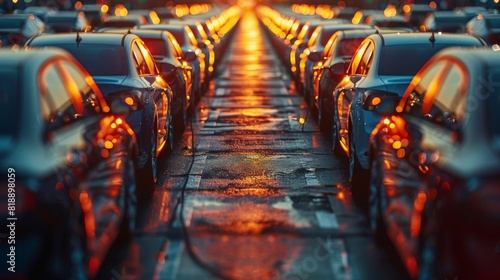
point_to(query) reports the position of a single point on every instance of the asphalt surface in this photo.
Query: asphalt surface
(265, 197)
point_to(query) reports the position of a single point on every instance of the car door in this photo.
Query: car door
(96, 151)
(433, 111)
(148, 71)
(358, 69)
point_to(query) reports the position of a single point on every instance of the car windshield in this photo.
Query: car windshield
(157, 47)
(8, 102)
(99, 60)
(405, 60)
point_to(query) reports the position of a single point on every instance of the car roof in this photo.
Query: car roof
(347, 26)
(355, 33)
(162, 26)
(86, 38)
(486, 57)
(424, 38)
(31, 58)
(143, 33)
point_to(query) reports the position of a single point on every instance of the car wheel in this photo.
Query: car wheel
(147, 175)
(169, 144)
(357, 176)
(180, 119)
(337, 150)
(127, 226)
(375, 202)
(324, 117)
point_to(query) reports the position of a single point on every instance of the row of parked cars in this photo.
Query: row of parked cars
(85, 116)
(415, 114)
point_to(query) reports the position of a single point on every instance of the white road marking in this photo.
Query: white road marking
(198, 165)
(339, 259)
(327, 220)
(171, 268)
(193, 182)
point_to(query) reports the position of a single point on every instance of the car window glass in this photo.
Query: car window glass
(90, 101)
(157, 47)
(202, 32)
(327, 52)
(56, 108)
(140, 63)
(314, 36)
(447, 106)
(176, 45)
(191, 36)
(413, 104)
(148, 58)
(179, 36)
(364, 64)
(356, 59)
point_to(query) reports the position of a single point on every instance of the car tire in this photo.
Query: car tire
(127, 226)
(147, 175)
(337, 149)
(169, 144)
(357, 176)
(180, 119)
(325, 119)
(377, 225)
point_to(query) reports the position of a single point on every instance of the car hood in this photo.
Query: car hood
(109, 84)
(396, 84)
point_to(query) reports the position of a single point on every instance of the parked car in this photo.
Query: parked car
(382, 21)
(66, 21)
(344, 13)
(415, 14)
(70, 162)
(385, 63)
(330, 68)
(174, 68)
(436, 166)
(15, 30)
(318, 44)
(123, 62)
(187, 45)
(150, 15)
(445, 21)
(94, 13)
(129, 21)
(39, 11)
(203, 43)
(487, 26)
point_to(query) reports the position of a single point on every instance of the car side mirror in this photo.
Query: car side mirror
(190, 56)
(381, 102)
(339, 68)
(314, 56)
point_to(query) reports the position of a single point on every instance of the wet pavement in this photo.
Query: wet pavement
(264, 196)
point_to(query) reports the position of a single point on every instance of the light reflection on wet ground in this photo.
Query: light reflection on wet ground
(265, 199)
